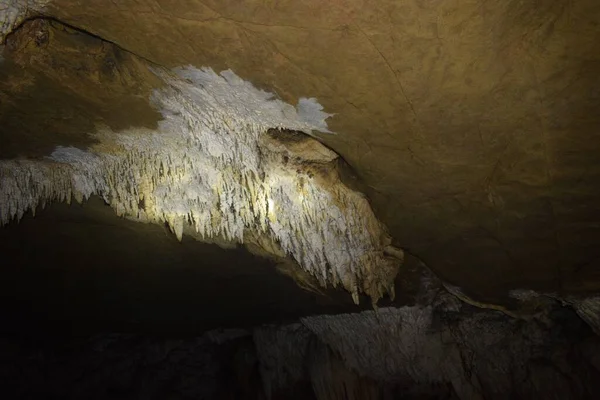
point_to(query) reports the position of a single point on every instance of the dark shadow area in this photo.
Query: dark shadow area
(83, 269)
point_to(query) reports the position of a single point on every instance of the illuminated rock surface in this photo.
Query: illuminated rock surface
(470, 127)
(213, 165)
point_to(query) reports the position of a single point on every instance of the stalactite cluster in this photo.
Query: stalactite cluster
(216, 165)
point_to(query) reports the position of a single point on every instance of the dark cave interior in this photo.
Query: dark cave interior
(309, 199)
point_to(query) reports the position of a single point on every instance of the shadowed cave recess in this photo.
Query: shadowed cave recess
(299, 200)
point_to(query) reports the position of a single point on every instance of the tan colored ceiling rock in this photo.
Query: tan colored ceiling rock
(58, 84)
(474, 124)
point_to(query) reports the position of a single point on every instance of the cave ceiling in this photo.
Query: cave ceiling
(472, 127)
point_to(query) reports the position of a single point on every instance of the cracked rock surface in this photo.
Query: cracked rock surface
(474, 125)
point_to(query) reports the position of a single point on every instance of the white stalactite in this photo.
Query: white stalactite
(208, 165)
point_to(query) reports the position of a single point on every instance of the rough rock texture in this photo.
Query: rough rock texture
(474, 130)
(95, 83)
(13, 12)
(442, 342)
(589, 310)
(473, 123)
(445, 350)
(212, 163)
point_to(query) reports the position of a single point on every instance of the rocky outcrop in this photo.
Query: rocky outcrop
(473, 124)
(444, 350)
(588, 308)
(14, 12)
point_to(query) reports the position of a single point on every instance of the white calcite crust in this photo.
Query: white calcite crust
(209, 166)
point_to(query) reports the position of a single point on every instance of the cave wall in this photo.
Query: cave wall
(445, 349)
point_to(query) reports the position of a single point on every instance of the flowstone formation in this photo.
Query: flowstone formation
(228, 161)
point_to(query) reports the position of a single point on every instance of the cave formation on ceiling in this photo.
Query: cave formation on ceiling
(215, 164)
(230, 163)
(493, 228)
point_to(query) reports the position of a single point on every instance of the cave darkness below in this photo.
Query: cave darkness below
(472, 128)
(59, 275)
